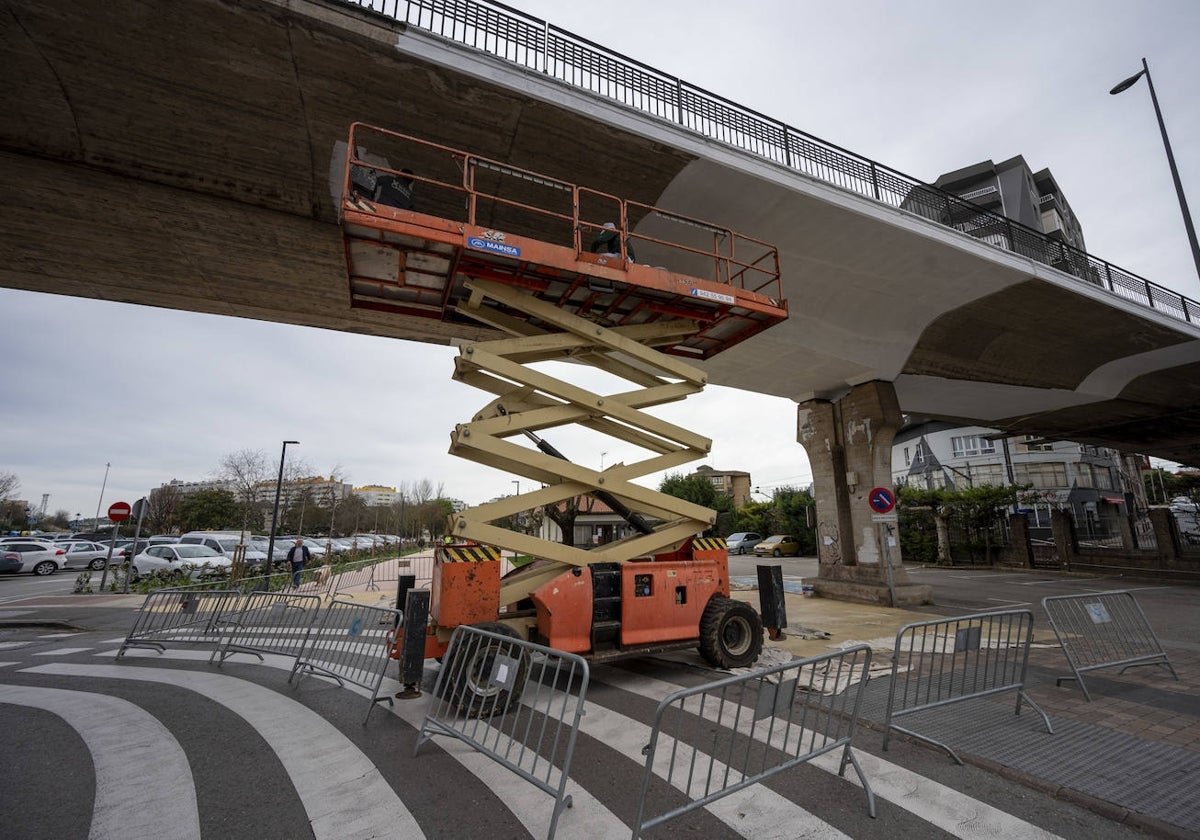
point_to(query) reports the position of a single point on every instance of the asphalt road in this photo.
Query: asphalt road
(168, 745)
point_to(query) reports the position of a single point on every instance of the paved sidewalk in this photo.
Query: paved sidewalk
(1132, 754)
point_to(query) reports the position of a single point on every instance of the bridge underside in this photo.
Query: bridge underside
(183, 155)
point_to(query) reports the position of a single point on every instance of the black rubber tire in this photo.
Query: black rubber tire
(97, 564)
(469, 684)
(731, 633)
(46, 567)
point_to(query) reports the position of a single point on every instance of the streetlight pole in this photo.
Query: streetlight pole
(100, 501)
(275, 511)
(1162, 127)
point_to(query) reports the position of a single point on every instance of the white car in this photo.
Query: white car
(37, 556)
(197, 560)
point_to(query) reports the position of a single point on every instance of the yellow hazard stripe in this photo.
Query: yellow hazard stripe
(468, 553)
(707, 543)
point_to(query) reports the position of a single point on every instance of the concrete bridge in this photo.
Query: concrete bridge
(186, 155)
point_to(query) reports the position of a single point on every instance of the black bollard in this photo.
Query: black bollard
(771, 601)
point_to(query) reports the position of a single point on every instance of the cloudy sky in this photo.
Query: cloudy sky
(923, 87)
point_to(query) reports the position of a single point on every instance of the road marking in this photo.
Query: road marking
(526, 802)
(1011, 603)
(343, 792)
(136, 760)
(954, 812)
(60, 651)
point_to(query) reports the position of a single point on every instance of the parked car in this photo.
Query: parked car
(198, 561)
(40, 557)
(85, 553)
(742, 542)
(10, 561)
(778, 545)
(163, 539)
(224, 542)
(316, 545)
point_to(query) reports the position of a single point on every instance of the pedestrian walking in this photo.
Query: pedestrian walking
(298, 555)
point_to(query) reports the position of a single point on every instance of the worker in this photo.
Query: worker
(605, 244)
(396, 190)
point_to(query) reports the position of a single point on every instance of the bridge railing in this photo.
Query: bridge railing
(539, 46)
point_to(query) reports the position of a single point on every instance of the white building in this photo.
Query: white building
(1098, 485)
(376, 495)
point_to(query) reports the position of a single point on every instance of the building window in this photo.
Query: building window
(919, 454)
(991, 474)
(1037, 443)
(907, 458)
(1047, 475)
(971, 445)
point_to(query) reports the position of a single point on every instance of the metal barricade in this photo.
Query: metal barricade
(1103, 630)
(936, 663)
(417, 565)
(268, 622)
(514, 701)
(352, 644)
(183, 616)
(767, 721)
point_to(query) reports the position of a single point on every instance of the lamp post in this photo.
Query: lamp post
(1187, 216)
(275, 511)
(100, 501)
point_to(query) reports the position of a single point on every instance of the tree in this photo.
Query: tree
(246, 471)
(566, 512)
(696, 489)
(209, 510)
(9, 485)
(163, 509)
(927, 515)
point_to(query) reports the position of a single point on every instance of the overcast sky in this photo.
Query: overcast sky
(923, 87)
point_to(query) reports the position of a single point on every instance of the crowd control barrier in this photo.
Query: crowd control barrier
(1104, 630)
(937, 663)
(268, 622)
(514, 701)
(352, 644)
(180, 616)
(767, 721)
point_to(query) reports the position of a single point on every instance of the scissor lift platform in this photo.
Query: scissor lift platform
(530, 274)
(417, 263)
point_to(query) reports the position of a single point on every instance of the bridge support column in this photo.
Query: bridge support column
(849, 445)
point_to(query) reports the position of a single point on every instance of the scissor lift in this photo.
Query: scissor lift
(534, 292)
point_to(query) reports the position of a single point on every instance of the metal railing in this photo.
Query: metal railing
(946, 661)
(352, 644)
(180, 616)
(538, 46)
(267, 622)
(766, 722)
(1103, 630)
(517, 702)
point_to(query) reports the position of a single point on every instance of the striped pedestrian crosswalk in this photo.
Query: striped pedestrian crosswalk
(361, 782)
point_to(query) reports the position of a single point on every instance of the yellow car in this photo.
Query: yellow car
(778, 545)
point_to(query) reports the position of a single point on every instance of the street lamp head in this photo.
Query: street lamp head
(291, 442)
(1128, 83)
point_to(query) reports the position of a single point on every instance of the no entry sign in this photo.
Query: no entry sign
(119, 511)
(881, 500)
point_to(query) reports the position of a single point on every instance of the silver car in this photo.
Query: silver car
(742, 542)
(85, 553)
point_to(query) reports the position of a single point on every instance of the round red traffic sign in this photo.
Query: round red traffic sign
(881, 500)
(119, 511)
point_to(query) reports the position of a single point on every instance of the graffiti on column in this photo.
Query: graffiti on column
(856, 427)
(829, 549)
